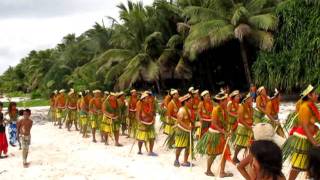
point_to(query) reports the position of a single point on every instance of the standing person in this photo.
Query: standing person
(13, 115)
(305, 135)
(213, 142)
(3, 137)
(244, 130)
(253, 92)
(60, 105)
(163, 109)
(122, 112)
(272, 110)
(84, 111)
(185, 119)
(261, 104)
(146, 119)
(110, 121)
(232, 108)
(106, 94)
(132, 109)
(79, 99)
(24, 132)
(196, 99)
(172, 111)
(95, 105)
(204, 111)
(72, 110)
(52, 109)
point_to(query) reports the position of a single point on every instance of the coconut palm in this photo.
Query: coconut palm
(214, 22)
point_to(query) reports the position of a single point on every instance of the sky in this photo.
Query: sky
(27, 25)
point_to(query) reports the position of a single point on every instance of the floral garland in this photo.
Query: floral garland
(314, 110)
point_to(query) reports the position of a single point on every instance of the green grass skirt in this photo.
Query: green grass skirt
(243, 136)
(208, 142)
(258, 116)
(291, 121)
(296, 149)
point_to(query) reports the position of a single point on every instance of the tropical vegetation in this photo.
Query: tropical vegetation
(204, 43)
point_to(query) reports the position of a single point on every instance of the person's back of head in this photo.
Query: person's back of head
(314, 164)
(268, 159)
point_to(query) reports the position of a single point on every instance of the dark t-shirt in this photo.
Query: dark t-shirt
(2, 127)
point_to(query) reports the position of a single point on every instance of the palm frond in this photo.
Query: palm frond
(197, 14)
(264, 40)
(198, 39)
(264, 21)
(240, 13)
(133, 70)
(241, 31)
(112, 56)
(174, 41)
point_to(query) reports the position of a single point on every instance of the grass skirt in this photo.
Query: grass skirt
(211, 143)
(243, 136)
(133, 124)
(181, 138)
(145, 132)
(168, 126)
(95, 120)
(72, 115)
(291, 121)
(83, 118)
(258, 116)
(296, 149)
(60, 113)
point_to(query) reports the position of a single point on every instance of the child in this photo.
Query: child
(3, 137)
(24, 127)
(20, 118)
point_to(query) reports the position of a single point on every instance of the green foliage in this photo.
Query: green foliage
(35, 95)
(30, 103)
(150, 44)
(294, 61)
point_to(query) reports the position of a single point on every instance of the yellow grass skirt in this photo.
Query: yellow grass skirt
(296, 149)
(182, 138)
(145, 132)
(243, 136)
(95, 120)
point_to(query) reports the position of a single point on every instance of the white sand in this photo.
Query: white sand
(13, 99)
(59, 154)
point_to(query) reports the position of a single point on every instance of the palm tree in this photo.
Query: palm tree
(138, 43)
(215, 22)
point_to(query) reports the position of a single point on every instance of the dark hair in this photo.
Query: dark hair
(269, 157)
(306, 98)
(20, 112)
(27, 111)
(314, 163)
(1, 104)
(1, 116)
(11, 104)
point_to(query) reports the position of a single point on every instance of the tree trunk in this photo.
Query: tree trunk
(158, 86)
(209, 72)
(245, 62)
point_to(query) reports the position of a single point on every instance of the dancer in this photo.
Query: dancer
(146, 119)
(305, 135)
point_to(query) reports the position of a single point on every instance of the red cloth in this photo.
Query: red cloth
(3, 143)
